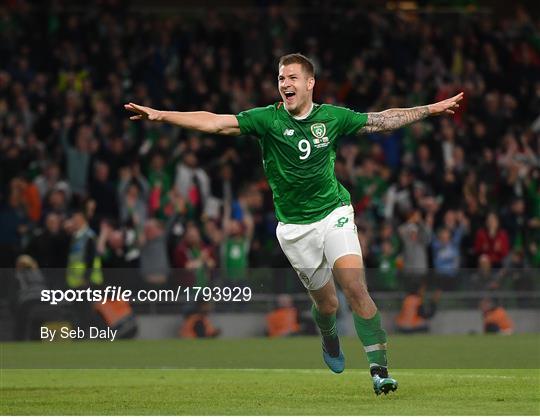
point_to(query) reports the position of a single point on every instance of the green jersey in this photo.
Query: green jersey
(299, 155)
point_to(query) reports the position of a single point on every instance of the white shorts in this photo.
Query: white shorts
(312, 249)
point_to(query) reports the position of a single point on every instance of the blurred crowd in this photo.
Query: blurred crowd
(442, 195)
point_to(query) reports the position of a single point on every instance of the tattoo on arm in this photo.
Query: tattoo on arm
(393, 119)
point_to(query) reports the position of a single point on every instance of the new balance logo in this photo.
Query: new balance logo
(288, 132)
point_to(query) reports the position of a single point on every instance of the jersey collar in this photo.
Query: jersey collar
(303, 116)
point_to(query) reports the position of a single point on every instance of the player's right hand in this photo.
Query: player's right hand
(448, 106)
(143, 112)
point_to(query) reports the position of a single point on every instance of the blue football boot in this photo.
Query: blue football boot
(332, 354)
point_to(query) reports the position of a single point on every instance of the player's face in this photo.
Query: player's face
(295, 88)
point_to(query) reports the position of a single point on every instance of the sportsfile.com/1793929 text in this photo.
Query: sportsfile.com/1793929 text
(117, 293)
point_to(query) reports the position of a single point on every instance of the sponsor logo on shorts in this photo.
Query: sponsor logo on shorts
(341, 221)
(303, 276)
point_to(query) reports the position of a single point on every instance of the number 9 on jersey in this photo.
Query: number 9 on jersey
(305, 148)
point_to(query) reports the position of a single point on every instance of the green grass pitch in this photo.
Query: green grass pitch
(438, 375)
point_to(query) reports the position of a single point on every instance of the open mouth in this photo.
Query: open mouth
(289, 95)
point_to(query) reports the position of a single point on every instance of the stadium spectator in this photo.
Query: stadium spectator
(387, 233)
(283, 320)
(177, 214)
(120, 254)
(14, 223)
(249, 199)
(237, 236)
(194, 258)
(446, 251)
(84, 263)
(31, 199)
(77, 156)
(119, 317)
(514, 220)
(83, 266)
(116, 153)
(415, 311)
(492, 241)
(193, 182)
(132, 196)
(415, 237)
(197, 324)
(160, 183)
(388, 266)
(475, 219)
(50, 180)
(496, 319)
(155, 267)
(399, 197)
(49, 246)
(425, 167)
(369, 187)
(103, 191)
(224, 185)
(25, 296)
(57, 202)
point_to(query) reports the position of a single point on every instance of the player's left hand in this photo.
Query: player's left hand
(447, 106)
(143, 112)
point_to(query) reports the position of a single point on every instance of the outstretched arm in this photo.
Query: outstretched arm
(396, 118)
(199, 121)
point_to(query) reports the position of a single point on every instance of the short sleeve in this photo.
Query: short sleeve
(255, 121)
(351, 121)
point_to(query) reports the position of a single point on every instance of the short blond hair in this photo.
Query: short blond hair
(297, 58)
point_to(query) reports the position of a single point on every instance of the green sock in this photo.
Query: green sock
(373, 338)
(326, 323)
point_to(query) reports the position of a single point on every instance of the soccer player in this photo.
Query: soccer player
(316, 227)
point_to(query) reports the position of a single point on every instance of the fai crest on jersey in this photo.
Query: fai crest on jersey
(319, 131)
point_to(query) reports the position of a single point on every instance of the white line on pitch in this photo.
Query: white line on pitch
(322, 371)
